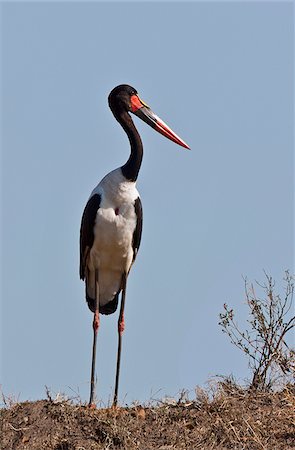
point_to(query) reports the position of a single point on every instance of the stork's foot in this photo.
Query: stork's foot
(92, 406)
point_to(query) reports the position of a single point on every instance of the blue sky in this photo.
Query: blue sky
(221, 75)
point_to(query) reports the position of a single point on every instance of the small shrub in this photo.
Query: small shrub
(264, 341)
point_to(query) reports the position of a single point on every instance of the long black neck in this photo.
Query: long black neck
(131, 167)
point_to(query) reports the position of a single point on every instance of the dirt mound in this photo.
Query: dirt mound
(228, 420)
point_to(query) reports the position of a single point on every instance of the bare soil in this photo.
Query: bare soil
(229, 419)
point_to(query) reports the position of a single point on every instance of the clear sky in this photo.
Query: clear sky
(221, 75)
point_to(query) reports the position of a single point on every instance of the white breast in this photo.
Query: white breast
(112, 251)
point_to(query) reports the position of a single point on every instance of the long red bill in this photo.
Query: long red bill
(143, 111)
(163, 128)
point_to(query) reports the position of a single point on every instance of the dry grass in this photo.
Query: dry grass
(226, 418)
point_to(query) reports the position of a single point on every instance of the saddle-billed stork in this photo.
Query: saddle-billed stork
(111, 225)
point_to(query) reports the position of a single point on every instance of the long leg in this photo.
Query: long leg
(121, 327)
(95, 330)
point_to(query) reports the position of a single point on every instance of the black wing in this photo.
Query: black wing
(86, 230)
(138, 229)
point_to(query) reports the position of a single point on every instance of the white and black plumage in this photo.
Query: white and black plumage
(111, 224)
(110, 238)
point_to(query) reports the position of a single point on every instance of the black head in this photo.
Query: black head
(120, 98)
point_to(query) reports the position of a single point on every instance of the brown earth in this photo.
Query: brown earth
(228, 419)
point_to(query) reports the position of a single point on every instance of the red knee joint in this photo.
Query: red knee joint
(96, 321)
(121, 326)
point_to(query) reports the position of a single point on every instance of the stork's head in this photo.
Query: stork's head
(125, 98)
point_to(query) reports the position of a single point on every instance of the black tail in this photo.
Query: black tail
(109, 308)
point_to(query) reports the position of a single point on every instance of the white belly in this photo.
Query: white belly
(112, 251)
